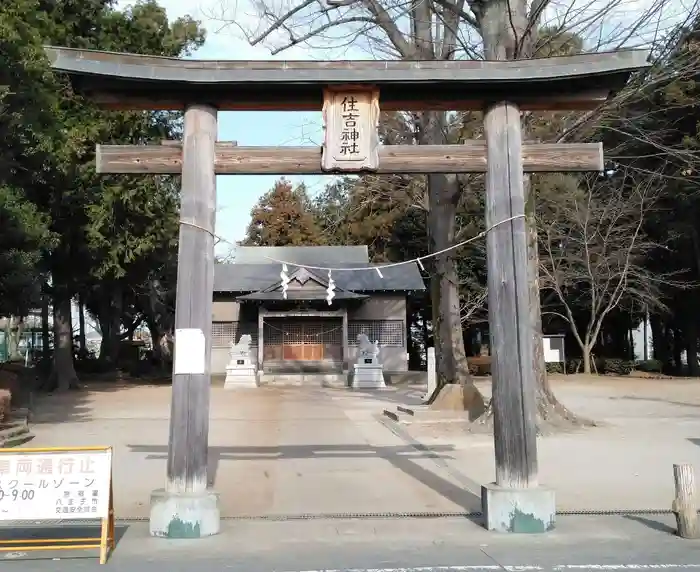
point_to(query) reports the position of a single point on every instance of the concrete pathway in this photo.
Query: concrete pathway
(295, 451)
(624, 464)
(273, 451)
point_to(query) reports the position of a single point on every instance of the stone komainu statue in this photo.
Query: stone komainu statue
(242, 348)
(366, 347)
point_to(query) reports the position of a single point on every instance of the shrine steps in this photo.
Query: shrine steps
(296, 379)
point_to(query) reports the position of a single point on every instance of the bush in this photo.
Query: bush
(616, 366)
(5, 403)
(91, 365)
(574, 365)
(10, 384)
(554, 367)
(650, 366)
(602, 366)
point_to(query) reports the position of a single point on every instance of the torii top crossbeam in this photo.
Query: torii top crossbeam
(129, 81)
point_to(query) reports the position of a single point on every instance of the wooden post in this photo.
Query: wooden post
(346, 342)
(432, 373)
(684, 505)
(514, 404)
(189, 418)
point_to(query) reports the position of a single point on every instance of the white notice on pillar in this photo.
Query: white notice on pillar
(190, 351)
(351, 119)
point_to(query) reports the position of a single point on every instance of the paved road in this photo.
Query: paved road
(601, 544)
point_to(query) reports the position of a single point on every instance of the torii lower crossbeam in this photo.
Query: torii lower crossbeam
(469, 157)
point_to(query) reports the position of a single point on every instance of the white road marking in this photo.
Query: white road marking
(519, 568)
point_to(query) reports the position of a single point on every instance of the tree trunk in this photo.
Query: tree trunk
(646, 335)
(677, 351)
(450, 357)
(443, 195)
(159, 341)
(156, 338)
(63, 373)
(45, 333)
(549, 408)
(82, 345)
(412, 347)
(660, 342)
(13, 332)
(586, 360)
(110, 326)
(116, 327)
(106, 345)
(691, 346)
(426, 335)
(631, 344)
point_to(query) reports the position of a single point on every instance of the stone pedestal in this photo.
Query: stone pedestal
(184, 515)
(240, 372)
(368, 376)
(530, 511)
(368, 372)
(240, 375)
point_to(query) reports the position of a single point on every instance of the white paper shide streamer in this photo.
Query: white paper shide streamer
(285, 281)
(330, 289)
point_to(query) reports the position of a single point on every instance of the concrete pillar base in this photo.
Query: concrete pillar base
(184, 515)
(530, 511)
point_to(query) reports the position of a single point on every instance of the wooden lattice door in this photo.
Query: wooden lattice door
(301, 342)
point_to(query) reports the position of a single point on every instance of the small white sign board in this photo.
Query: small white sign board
(553, 349)
(55, 485)
(190, 351)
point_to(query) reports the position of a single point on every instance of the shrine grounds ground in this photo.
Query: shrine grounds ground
(321, 456)
(311, 451)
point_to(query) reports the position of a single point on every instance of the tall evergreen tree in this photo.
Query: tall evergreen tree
(95, 232)
(283, 217)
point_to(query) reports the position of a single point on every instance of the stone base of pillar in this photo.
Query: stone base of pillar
(368, 376)
(530, 511)
(240, 377)
(184, 515)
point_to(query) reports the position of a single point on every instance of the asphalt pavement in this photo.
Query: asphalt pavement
(580, 543)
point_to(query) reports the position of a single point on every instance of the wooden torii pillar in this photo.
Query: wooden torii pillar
(349, 94)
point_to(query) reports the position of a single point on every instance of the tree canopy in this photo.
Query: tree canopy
(109, 240)
(282, 217)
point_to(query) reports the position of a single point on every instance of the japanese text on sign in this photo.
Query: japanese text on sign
(351, 140)
(43, 486)
(349, 136)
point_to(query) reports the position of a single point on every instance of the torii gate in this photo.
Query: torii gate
(350, 93)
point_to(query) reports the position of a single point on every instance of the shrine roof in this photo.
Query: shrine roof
(132, 81)
(246, 278)
(300, 295)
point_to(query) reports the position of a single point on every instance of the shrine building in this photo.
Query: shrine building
(303, 333)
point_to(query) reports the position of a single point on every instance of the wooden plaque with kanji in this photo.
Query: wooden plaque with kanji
(351, 118)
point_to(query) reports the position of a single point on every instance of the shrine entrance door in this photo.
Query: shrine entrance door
(298, 339)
